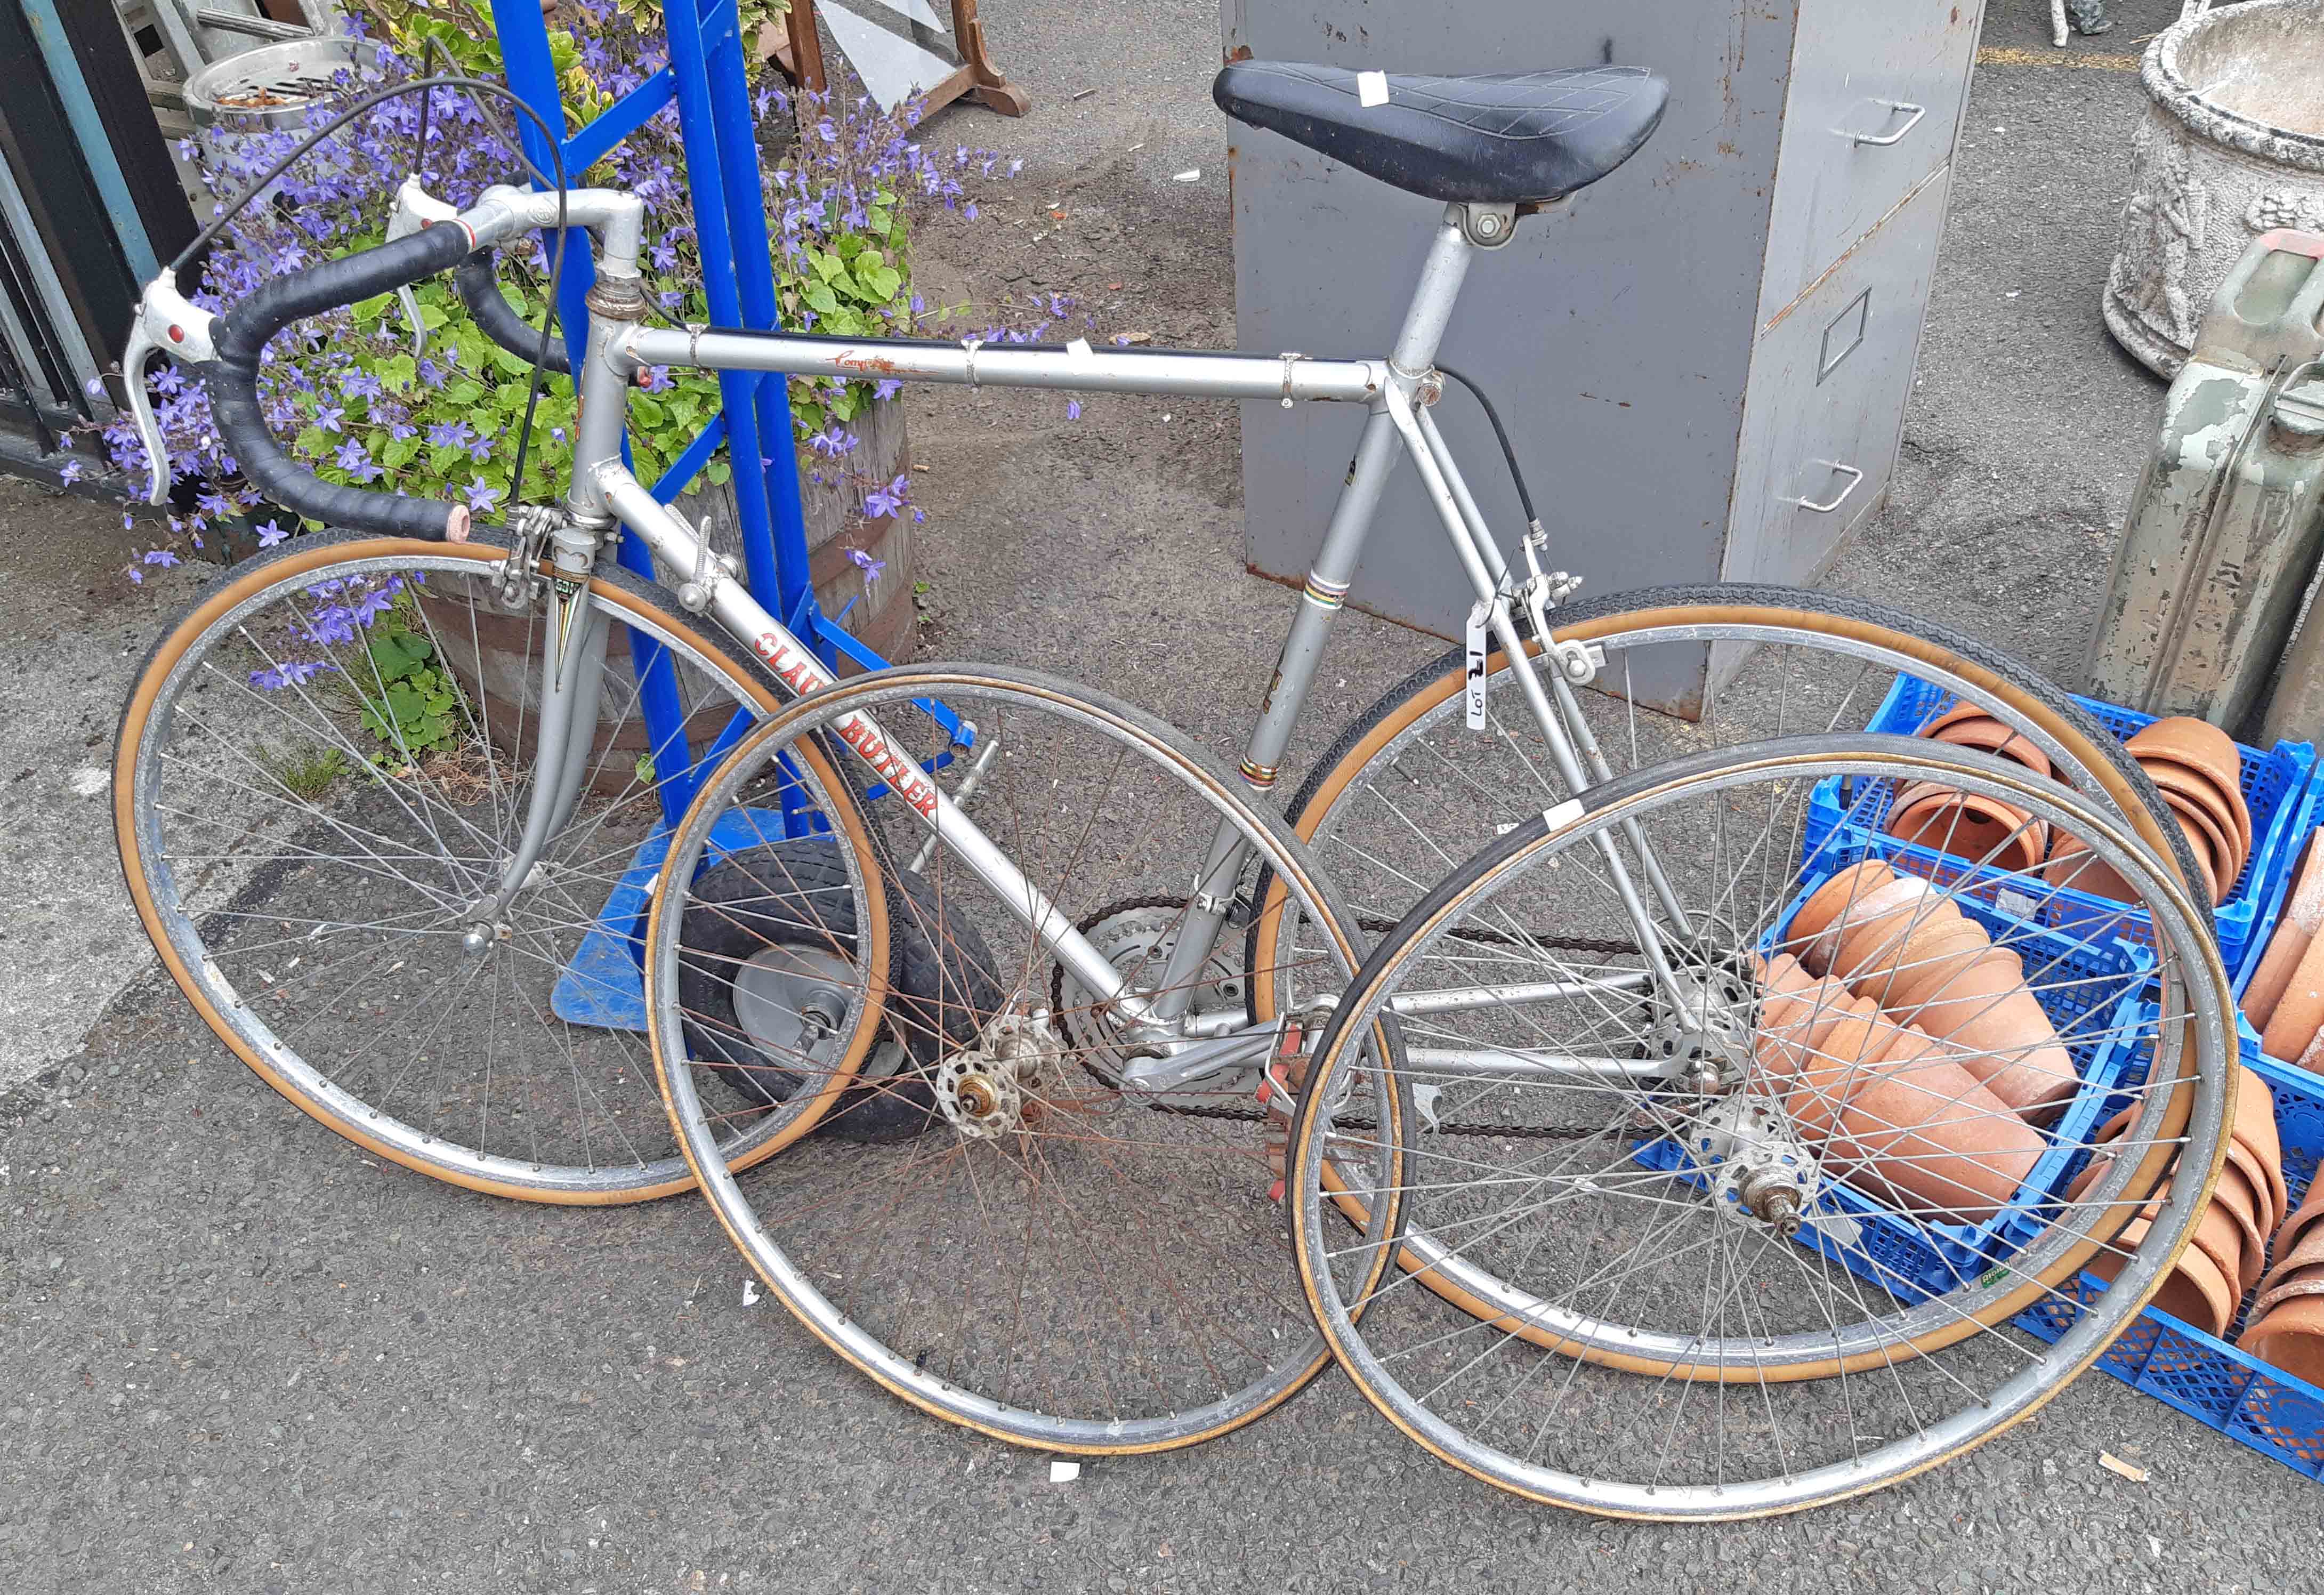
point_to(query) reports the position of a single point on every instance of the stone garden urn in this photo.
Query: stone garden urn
(2232, 146)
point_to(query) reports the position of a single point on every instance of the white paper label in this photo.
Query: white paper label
(2017, 904)
(1078, 348)
(1371, 88)
(1478, 613)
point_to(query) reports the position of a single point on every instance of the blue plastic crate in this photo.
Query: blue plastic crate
(2275, 787)
(2201, 1375)
(2093, 998)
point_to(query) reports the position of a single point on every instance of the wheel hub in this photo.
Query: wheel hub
(1759, 1174)
(792, 1001)
(1703, 1033)
(982, 1089)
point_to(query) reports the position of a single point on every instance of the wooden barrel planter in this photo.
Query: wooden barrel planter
(501, 664)
(878, 610)
(496, 657)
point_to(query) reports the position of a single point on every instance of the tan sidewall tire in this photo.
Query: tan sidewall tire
(137, 718)
(1419, 703)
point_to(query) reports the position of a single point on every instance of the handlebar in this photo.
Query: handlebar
(497, 319)
(243, 332)
(226, 350)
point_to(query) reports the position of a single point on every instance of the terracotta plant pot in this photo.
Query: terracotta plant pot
(2199, 844)
(2301, 1009)
(1793, 1005)
(1928, 958)
(1878, 937)
(2072, 866)
(1966, 825)
(2193, 793)
(2200, 746)
(2305, 1252)
(1875, 919)
(1829, 900)
(1965, 726)
(1843, 1051)
(2291, 1337)
(2255, 1128)
(2282, 1288)
(1996, 1029)
(2288, 1233)
(2303, 911)
(1924, 1130)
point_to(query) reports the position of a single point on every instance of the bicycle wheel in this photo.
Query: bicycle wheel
(1791, 1233)
(321, 774)
(1408, 792)
(1074, 1244)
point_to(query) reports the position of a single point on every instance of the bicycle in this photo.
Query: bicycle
(815, 957)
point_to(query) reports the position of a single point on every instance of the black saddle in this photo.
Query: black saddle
(1488, 138)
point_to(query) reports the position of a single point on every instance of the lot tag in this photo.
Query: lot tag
(1475, 689)
(1371, 88)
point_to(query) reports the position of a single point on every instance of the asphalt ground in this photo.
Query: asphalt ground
(235, 1354)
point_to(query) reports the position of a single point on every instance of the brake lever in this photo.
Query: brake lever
(415, 208)
(168, 322)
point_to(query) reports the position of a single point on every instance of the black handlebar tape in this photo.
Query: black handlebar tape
(480, 290)
(242, 333)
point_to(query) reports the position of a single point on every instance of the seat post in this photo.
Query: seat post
(1432, 297)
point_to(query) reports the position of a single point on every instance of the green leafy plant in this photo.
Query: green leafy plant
(410, 702)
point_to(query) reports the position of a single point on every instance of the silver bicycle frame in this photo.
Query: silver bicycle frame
(1397, 391)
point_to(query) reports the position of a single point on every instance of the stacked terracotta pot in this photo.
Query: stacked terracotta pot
(2284, 1000)
(1907, 1046)
(2197, 767)
(2229, 1247)
(2286, 1326)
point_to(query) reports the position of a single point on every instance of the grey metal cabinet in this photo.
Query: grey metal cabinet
(1704, 358)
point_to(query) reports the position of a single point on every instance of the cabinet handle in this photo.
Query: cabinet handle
(1885, 139)
(1853, 476)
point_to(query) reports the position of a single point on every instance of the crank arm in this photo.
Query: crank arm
(1175, 1071)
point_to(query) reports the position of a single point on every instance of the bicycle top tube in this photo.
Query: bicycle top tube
(1223, 374)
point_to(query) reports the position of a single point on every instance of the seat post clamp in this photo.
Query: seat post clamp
(1487, 226)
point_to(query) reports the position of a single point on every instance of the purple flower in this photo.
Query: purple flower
(1072, 410)
(328, 417)
(270, 534)
(885, 389)
(889, 499)
(71, 471)
(288, 673)
(372, 605)
(870, 566)
(481, 497)
(355, 460)
(657, 379)
(449, 435)
(160, 556)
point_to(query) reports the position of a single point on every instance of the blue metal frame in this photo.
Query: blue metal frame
(707, 81)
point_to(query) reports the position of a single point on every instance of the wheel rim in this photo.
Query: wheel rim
(381, 1021)
(1057, 1259)
(1586, 1369)
(1384, 843)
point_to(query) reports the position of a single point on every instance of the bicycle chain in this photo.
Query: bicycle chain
(1256, 1115)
